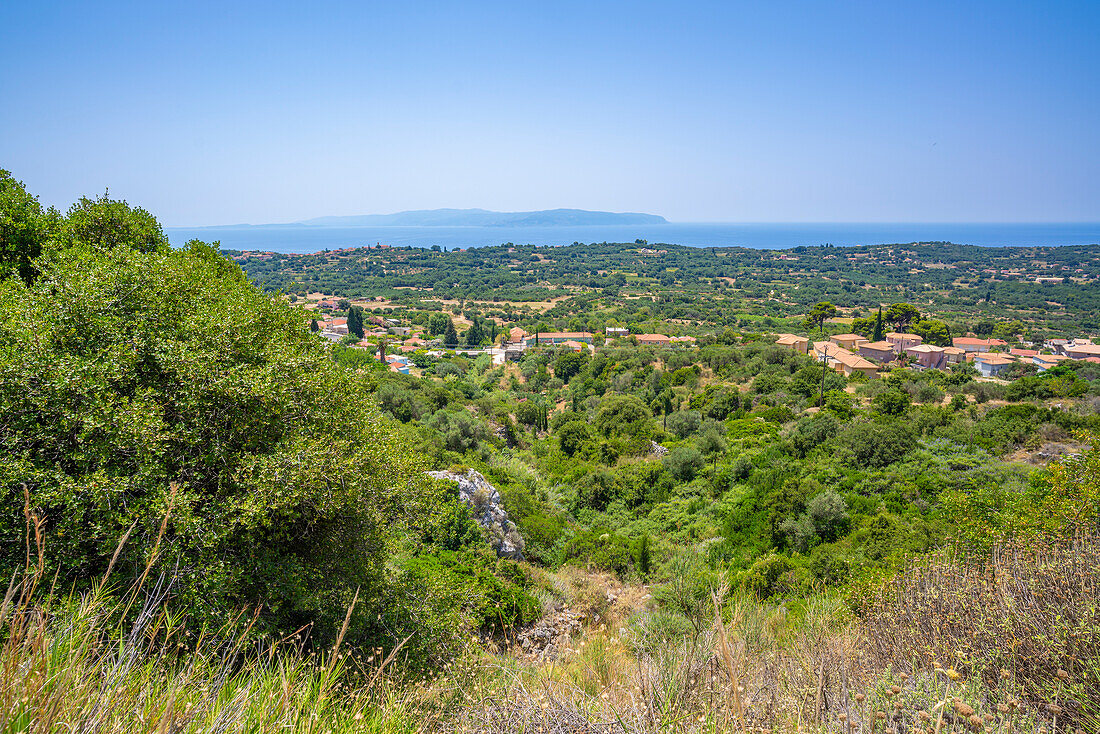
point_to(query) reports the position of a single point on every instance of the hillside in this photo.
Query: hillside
(1051, 290)
(222, 514)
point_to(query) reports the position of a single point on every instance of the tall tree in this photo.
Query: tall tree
(450, 336)
(902, 314)
(475, 333)
(355, 321)
(819, 314)
(878, 326)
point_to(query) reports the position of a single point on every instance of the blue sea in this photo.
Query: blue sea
(292, 238)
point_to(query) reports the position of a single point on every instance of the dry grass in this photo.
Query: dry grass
(1004, 643)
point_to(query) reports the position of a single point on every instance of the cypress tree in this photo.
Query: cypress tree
(474, 335)
(878, 326)
(355, 321)
(450, 336)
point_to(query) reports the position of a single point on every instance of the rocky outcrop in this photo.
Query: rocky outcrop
(484, 500)
(550, 636)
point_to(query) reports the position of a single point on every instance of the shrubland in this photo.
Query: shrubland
(216, 521)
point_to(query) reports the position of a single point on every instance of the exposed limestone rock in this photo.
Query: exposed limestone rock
(549, 636)
(484, 499)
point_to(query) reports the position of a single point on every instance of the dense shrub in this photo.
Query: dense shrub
(151, 385)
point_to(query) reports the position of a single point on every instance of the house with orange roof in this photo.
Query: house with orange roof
(927, 356)
(798, 343)
(882, 351)
(652, 339)
(954, 355)
(844, 361)
(992, 365)
(972, 345)
(557, 337)
(903, 341)
(1045, 361)
(848, 341)
(1081, 350)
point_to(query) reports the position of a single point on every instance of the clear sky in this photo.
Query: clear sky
(226, 112)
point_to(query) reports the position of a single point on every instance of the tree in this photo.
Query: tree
(683, 463)
(355, 321)
(437, 323)
(206, 409)
(819, 314)
(24, 227)
(573, 437)
(622, 414)
(450, 336)
(106, 224)
(1007, 330)
(712, 443)
(863, 326)
(901, 315)
(475, 333)
(878, 444)
(892, 402)
(569, 364)
(933, 331)
(878, 335)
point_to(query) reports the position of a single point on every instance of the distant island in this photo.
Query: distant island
(485, 218)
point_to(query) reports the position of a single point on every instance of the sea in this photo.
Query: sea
(292, 238)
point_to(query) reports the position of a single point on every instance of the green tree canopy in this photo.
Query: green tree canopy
(24, 227)
(450, 336)
(933, 331)
(819, 314)
(355, 321)
(901, 315)
(140, 383)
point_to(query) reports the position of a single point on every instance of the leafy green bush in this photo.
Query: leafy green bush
(140, 388)
(683, 463)
(602, 550)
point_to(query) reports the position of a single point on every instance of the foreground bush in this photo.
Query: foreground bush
(155, 396)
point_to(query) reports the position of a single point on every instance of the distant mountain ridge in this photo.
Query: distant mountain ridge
(486, 218)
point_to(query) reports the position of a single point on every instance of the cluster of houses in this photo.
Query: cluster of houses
(582, 340)
(854, 353)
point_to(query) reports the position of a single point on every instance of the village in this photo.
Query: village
(398, 342)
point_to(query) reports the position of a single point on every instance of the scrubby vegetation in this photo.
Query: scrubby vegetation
(216, 520)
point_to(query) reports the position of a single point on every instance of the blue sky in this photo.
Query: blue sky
(215, 113)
